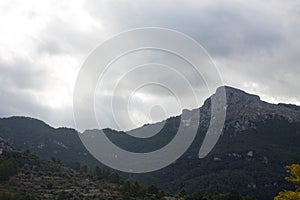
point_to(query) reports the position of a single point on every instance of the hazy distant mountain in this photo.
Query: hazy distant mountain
(258, 140)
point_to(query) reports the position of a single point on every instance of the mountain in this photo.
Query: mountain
(257, 141)
(31, 134)
(25, 176)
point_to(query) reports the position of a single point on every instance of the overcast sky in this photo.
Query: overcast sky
(43, 44)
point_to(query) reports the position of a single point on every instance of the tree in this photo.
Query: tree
(294, 170)
(7, 169)
(126, 187)
(152, 189)
(294, 177)
(182, 192)
(98, 172)
(234, 195)
(84, 169)
(126, 196)
(114, 178)
(62, 196)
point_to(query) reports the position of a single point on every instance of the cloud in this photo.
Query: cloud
(20, 74)
(43, 45)
(223, 27)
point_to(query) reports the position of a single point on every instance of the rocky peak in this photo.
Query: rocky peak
(234, 97)
(238, 97)
(244, 109)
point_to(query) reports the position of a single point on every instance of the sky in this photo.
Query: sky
(43, 45)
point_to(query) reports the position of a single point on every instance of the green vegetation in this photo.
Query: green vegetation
(24, 176)
(7, 169)
(250, 161)
(233, 195)
(294, 171)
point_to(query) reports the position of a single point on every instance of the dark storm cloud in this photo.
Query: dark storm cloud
(222, 27)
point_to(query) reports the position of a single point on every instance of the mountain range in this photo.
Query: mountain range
(257, 141)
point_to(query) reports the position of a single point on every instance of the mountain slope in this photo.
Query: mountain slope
(258, 140)
(31, 134)
(25, 176)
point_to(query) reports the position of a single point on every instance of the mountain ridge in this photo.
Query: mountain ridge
(258, 139)
(229, 90)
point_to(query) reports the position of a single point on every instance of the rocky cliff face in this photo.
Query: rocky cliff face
(244, 109)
